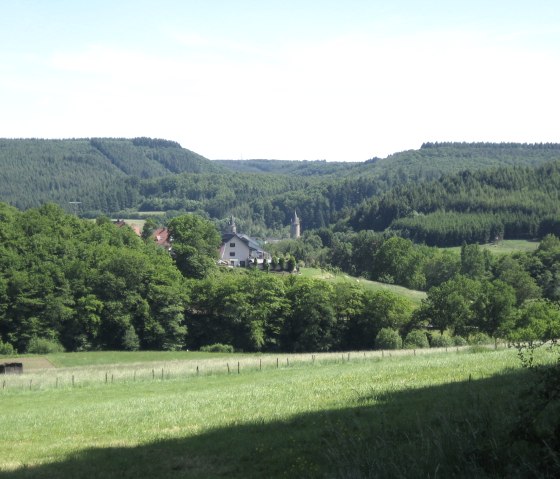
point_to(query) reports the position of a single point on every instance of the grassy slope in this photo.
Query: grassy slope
(505, 247)
(298, 421)
(410, 294)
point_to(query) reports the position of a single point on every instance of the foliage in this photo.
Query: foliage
(416, 339)
(44, 346)
(217, 348)
(388, 338)
(195, 245)
(6, 349)
(439, 340)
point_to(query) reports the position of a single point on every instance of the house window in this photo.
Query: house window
(232, 253)
(232, 245)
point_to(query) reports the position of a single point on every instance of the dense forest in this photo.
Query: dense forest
(87, 285)
(429, 195)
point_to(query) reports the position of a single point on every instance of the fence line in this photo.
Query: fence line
(79, 377)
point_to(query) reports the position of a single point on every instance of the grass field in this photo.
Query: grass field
(505, 247)
(410, 294)
(331, 417)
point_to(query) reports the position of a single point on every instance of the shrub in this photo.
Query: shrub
(442, 340)
(480, 339)
(416, 339)
(130, 340)
(388, 338)
(6, 349)
(459, 341)
(217, 348)
(44, 346)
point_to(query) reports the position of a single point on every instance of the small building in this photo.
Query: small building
(239, 249)
(11, 368)
(162, 238)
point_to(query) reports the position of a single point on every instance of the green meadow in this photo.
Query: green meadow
(326, 415)
(505, 247)
(412, 295)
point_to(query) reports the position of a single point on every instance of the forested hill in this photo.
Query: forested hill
(101, 172)
(429, 162)
(478, 206)
(124, 176)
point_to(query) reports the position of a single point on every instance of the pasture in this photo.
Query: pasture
(505, 247)
(412, 295)
(323, 415)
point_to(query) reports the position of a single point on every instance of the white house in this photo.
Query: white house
(239, 249)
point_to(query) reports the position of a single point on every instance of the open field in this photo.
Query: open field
(331, 417)
(505, 247)
(414, 296)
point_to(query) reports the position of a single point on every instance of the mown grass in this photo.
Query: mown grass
(308, 419)
(412, 295)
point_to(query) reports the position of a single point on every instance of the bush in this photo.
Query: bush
(459, 341)
(388, 338)
(217, 348)
(6, 349)
(442, 340)
(44, 346)
(416, 339)
(480, 339)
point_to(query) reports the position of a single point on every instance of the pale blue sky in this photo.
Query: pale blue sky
(336, 80)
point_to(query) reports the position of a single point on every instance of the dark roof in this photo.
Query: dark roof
(250, 242)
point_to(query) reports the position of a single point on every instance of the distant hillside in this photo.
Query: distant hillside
(282, 167)
(100, 172)
(121, 176)
(429, 162)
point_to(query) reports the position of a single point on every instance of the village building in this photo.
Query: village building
(239, 249)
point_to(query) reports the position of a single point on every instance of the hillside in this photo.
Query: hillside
(92, 171)
(121, 176)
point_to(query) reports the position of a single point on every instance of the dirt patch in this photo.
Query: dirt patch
(35, 363)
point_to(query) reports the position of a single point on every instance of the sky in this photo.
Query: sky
(343, 80)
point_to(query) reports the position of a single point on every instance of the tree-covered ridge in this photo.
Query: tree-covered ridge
(284, 167)
(98, 172)
(510, 202)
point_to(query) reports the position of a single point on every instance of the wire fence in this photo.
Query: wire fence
(85, 376)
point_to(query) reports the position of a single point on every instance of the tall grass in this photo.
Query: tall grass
(288, 421)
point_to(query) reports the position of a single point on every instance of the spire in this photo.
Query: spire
(295, 228)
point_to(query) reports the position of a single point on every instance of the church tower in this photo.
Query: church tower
(232, 226)
(295, 228)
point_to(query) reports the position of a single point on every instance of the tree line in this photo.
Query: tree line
(89, 285)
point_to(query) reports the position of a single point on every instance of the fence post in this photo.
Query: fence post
(106, 377)
(227, 368)
(162, 374)
(277, 363)
(30, 382)
(238, 367)
(153, 374)
(134, 379)
(112, 378)
(197, 369)
(287, 361)
(260, 364)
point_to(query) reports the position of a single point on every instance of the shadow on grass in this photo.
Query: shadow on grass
(453, 430)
